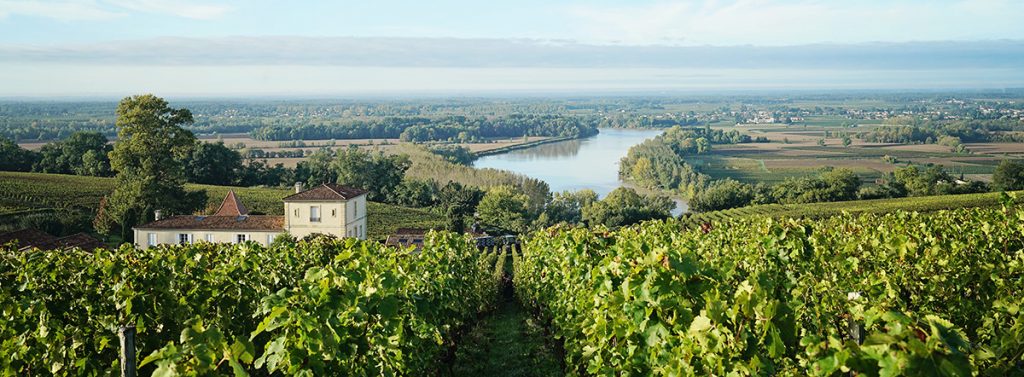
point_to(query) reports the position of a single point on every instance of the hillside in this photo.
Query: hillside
(23, 193)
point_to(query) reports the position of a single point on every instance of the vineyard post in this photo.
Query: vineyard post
(127, 335)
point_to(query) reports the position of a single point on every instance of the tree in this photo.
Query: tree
(1009, 175)
(847, 140)
(377, 173)
(82, 153)
(624, 206)
(14, 158)
(213, 164)
(723, 194)
(316, 169)
(147, 157)
(504, 208)
(567, 207)
(457, 202)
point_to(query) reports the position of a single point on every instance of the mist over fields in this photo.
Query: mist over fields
(380, 65)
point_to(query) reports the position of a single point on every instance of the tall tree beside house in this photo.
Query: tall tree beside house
(377, 173)
(147, 157)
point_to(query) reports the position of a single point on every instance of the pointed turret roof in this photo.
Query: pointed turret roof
(231, 206)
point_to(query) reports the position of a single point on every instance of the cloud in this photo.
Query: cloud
(778, 22)
(93, 10)
(454, 52)
(70, 10)
(182, 9)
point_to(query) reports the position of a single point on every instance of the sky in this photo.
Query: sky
(345, 48)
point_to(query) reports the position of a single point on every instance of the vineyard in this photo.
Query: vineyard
(327, 306)
(899, 294)
(877, 206)
(63, 193)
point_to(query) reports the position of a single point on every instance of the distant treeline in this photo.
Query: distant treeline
(906, 130)
(420, 129)
(659, 163)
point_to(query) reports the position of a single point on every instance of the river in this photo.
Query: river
(590, 163)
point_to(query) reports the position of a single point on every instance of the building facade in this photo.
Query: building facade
(327, 209)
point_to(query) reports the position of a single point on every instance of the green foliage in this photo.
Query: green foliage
(376, 172)
(213, 164)
(1009, 175)
(567, 207)
(504, 209)
(82, 153)
(722, 194)
(899, 294)
(457, 202)
(624, 206)
(341, 306)
(455, 154)
(14, 158)
(151, 143)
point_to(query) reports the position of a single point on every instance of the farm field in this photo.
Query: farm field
(793, 151)
(28, 191)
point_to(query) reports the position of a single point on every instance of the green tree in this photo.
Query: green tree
(567, 207)
(1009, 175)
(316, 169)
(457, 202)
(722, 194)
(504, 208)
(213, 164)
(624, 206)
(147, 157)
(82, 153)
(377, 173)
(14, 158)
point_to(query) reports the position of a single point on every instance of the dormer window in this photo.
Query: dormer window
(314, 214)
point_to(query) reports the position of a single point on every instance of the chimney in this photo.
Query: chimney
(158, 214)
(298, 187)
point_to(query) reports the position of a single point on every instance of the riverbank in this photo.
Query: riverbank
(515, 147)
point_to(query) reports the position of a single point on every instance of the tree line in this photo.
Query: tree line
(832, 185)
(421, 129)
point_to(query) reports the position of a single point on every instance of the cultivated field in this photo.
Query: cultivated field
(794, 151)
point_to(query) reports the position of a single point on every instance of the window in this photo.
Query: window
(184, 238)
(334, 213)
(270, 239)
(152, 239)
(209, 237)
(314, 214)
(355, 210)
(241, 238)
(296, 212)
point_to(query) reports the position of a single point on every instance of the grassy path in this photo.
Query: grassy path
(510, 342)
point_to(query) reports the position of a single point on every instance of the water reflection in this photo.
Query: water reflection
(591, 163)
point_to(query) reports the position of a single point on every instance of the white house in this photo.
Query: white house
(327, 209)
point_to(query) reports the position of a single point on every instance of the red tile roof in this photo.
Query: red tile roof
(258, 223)
(26, 237)
(231, 206)
(80, 240)
(327, 191)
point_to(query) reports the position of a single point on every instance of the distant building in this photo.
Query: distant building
(326, 209)
(26, 239)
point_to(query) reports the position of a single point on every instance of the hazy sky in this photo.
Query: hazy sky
(304, 47)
